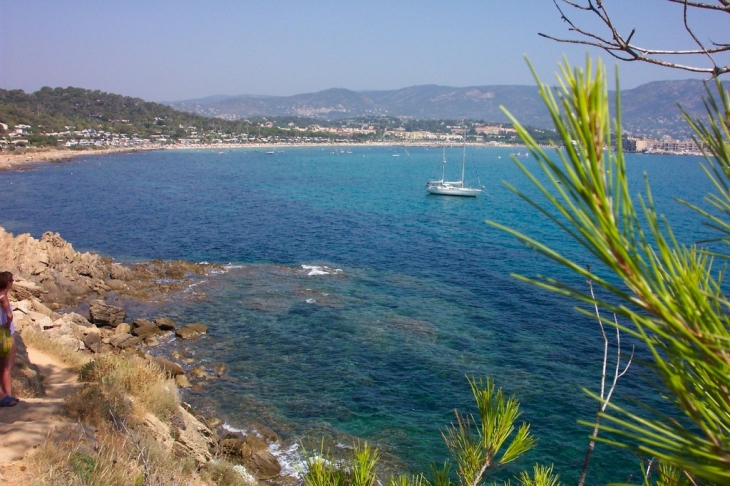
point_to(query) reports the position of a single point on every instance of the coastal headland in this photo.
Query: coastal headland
(74, 407)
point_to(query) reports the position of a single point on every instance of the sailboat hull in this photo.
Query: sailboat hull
(442, 190)
(442, 187)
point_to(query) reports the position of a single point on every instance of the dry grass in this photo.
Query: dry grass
(125, 385)
(119, 390)
(123, 458)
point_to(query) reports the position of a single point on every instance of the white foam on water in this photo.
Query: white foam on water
(224, 269)
(292, 463)
(314, 270)
(232, 429)
(191, 287)
(232, 266)
(320, 270)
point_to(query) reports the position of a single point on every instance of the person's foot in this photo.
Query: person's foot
(8, 401)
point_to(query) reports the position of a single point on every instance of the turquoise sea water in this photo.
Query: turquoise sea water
(354, 304)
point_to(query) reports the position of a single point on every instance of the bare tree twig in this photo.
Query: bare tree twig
(620, 46)
(725, 7)
(618, 373)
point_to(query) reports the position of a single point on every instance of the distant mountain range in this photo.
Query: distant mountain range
(650, 109)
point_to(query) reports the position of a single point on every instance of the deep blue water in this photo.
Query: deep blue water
(417, 297)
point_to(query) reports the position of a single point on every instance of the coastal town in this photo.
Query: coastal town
(23, 138)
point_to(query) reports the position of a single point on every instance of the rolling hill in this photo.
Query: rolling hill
(650, 109)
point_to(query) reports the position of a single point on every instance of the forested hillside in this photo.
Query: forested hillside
(79, 118)
(52, 110)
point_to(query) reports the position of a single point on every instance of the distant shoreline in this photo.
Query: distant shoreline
(29, 157)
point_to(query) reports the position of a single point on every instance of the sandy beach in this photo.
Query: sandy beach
(19, 159)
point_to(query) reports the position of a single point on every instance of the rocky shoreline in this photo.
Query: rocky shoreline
(50, 275)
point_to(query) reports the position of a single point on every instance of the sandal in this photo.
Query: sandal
(8, 401)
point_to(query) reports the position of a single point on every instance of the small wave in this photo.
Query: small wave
(228, 427)
(289, 457)
(232, 266)
(291, 461)
(224, 269)
(320, 270)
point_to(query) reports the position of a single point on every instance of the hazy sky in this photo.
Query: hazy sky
(164, 50)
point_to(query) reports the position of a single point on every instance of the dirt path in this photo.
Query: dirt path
(25, 426)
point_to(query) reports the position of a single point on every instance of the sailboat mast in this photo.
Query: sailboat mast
(463, 160)
(443, 163)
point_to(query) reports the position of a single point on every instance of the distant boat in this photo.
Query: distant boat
(270, 153)
(442, 187)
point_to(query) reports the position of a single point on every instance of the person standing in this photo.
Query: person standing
(6, 320)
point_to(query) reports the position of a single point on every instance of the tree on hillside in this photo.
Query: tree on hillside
(619, 43)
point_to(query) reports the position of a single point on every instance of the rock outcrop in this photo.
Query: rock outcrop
(105, 315)
(53, 272)
(50, 274)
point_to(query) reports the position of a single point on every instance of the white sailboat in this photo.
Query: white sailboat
(442, 187)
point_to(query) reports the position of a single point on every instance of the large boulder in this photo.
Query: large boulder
(72, 318)
(124, 341)
(119, 272)
(144, 328)
(231, 446)
(191, 331)
(169, 367)
(25, 289)
(93, 342)
(258, 459)
(105, 315)
(165, 324)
